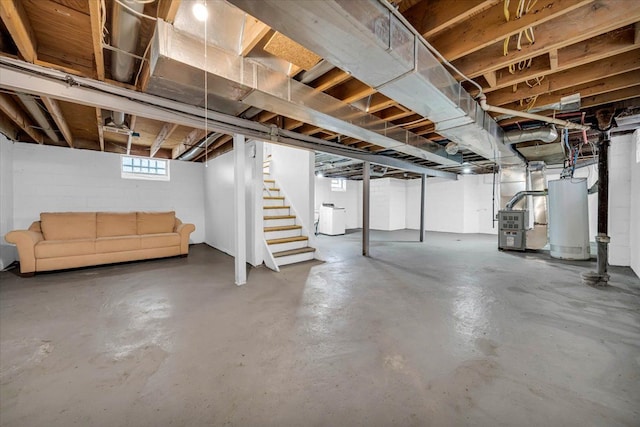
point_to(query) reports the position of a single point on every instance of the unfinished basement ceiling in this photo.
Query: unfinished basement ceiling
(597, 60)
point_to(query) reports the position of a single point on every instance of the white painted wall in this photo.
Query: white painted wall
(412, 210)
(397, 204)
(219, 210)
(8, 253)
(58, 179)
(343, 199)
(478, 204)
(293, 170)
(634, 215)
(445, 205)
(620, 199)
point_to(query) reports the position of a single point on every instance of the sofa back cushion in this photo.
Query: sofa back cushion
(68, 225)
(113, 224)
(156, 222)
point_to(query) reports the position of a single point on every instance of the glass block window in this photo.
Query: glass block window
(144, 168)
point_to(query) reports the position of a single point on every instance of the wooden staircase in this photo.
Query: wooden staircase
(282, 231)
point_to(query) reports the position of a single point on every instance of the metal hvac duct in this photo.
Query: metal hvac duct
(234, 83)
(372, 41)
(202, 145)
(544, 134)
(125, 28)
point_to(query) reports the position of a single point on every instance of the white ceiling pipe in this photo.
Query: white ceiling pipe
(563, 123)
(36, 112)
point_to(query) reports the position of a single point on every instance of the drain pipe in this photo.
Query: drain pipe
(36, 112)
(482, 99)
(521, 195)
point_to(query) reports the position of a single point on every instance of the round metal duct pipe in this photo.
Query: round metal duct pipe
(124, 36)
(544, 134)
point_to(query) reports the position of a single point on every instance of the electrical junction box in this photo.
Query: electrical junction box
(512, 233)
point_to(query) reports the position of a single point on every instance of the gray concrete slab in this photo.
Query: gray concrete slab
(448, 332)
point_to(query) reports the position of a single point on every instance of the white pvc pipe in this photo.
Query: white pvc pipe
(563, 123)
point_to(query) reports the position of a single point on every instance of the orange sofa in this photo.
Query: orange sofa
(63, 240)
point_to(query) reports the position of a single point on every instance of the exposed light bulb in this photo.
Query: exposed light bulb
(200, 12)
(466, 170)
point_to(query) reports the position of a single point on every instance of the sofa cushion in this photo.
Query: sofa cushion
(64, 248)
(117, 244)
(68, 225)
(163, 240)
(156, 222)
(110, 224)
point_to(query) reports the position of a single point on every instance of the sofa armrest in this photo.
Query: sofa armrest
(184, 230)
(26, 241)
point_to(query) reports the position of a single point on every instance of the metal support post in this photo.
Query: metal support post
(601, 277)
(240, 209)
(365, 208)
(423, 191)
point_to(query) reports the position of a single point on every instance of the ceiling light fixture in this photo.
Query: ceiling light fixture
(466, 170)
(200, 12)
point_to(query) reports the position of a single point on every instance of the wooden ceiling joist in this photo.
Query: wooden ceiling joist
(58, 117)
(333, 78)
(490, 26)
(572, 56)
(165, 132)
(554, 34)
(187, 143)
(17, 22)
(18, 116)
(96, 37)
(434, 16)
(100, 123)
(351, 91)
(586, 90)
(252, 32)
(608, 67)
(167, 10)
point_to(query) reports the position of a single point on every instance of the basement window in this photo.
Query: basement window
(339, 184)
(144, 168)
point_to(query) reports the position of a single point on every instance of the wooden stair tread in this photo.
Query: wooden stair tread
(287, 240)
(293, 252)
(273, 189)
(276, 207)
(282, 228)
(268, 217)
(269, 180)
(273, 197)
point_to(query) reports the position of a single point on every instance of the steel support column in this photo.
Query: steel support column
(365, 208)
(601, 277)
(423, 188)
(240, 209)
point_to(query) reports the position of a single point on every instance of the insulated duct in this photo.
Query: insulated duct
(372, 41)
(234, 83)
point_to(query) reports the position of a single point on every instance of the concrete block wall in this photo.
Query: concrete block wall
(8, 252)
(621, 155)
(634, 210)
(55, 179)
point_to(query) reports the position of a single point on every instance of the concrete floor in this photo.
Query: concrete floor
(450, 332)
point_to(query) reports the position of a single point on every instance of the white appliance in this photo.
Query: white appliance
(332, 220)
(569, 219)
